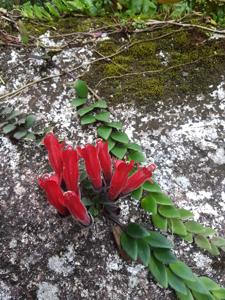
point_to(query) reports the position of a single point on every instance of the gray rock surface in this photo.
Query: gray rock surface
(45, 257)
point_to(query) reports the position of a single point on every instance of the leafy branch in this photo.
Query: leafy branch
(164, 214)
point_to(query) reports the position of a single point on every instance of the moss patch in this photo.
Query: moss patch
(180, 48)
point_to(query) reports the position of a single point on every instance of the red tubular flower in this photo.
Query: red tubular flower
(54, 152)
(138, 178)
(76, 208)
(50, 183)
(92, 164)
(119, 179)
(70, 169)
(105, 160)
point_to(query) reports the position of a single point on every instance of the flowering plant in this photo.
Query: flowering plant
(110, 178)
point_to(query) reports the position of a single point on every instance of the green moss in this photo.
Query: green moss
(115, 69)
(140, 50)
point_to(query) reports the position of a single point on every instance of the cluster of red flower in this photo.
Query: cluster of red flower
(103, 172)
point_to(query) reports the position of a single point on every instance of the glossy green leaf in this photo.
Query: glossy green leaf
(100, 104)
(85, 110)
(158, 271)
(209, 283)
(81, 88)
(119, 151)
(194, 227)
(202, 242)
(214, 250)
(149, 204)
(20, 134)
(197, 286)
(185, 214)
(137, 194)
(134, 146)
(176, 283)
(208, 231)
(104, 132)
(8, 128)
(218, 241)
(129, 245)
(138, 157)
(116, 125)
(185, 297)
(137, 231)
(188, 237)
(103, 116)
(87, 119)
(78, 102)
(152, 187)
(164, 255)
(177, 227)
(220, 293)
(182, 270)
(157, 240)
(143, 252)
(162, 199)
(111, 143)
(199, 296)
(30, 121)
(168, 211)
(119, 136)
(160, 222)
(30, 136)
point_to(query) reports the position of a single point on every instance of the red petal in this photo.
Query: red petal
(50, 183)
(77, 208)
(105, 160)
(70, 169)
(54, 152)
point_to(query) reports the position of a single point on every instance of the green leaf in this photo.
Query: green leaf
(162, 199)
(134, 146)
(157, 240)
(185, 214)
(81, 89)
(158, 271)
(159, 222)
(87, 201)
(100, 104)
(116, 125)
(214, 250)
(177, 226)
(143, 252)
(136, 156)
(194, 227)
(136, 231)
(13, 115)
(83, 111)
(168, 211)
(197, 286)
(182, 270)
(199, 296)
(149, 204)
(211, 285)
(103, 116)
(78, 102)
(111, 144)
(119, 136)
(8, 128)
(164, 255)
(152, 187)
(218, 241)
(20, 134)
(137, 194)
(119, 151)
(188, 237)
(88, 119)
(30, 136)
(104, 132)
(185, 297)
(220, 293)
(208, 231)
(129, 245)
(202, 242)
(30, 121)
(176, 283)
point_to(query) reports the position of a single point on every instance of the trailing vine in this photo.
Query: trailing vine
(164, 214)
